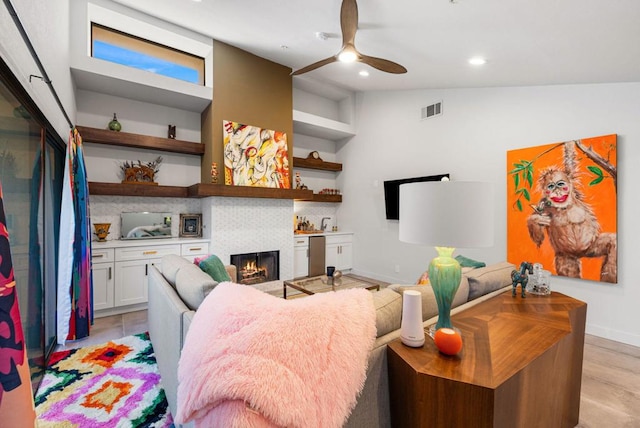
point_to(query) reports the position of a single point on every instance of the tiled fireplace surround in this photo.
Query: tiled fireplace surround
(234, 225)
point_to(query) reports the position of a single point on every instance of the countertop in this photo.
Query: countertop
(119, 243)
(326, 233)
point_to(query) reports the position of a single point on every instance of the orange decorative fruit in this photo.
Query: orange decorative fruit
(448, 341)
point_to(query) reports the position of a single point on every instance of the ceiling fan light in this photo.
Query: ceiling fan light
(347, 56)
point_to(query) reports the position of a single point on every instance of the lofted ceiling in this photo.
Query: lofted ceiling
(543, 42)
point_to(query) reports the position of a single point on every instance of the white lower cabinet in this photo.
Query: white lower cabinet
(103, 269)
(300, 256)
(132, 281)
(339, 251)
(120, 273)
(132, 272)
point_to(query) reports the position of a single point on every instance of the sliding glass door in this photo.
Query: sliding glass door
(31, 169)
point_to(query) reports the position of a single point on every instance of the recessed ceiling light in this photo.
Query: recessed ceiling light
(477, 61)
(364, 73)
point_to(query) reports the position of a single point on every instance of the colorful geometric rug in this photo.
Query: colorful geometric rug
(116, 384)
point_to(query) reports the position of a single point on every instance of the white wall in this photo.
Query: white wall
(47, 24)
(470, 141)
(103, 161)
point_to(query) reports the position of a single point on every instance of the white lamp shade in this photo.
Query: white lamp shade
(447, 213)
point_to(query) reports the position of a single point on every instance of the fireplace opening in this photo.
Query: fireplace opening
(254, 268)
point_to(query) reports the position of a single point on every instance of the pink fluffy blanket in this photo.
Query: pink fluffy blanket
(254, 360)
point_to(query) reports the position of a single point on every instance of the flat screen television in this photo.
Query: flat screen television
(392, 193)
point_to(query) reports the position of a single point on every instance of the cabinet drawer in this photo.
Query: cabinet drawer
(338, 239)
(101, 255)
(198, 249)
(144, 253)
(301, 241)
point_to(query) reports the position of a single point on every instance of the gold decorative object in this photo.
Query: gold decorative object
(141, 173)
(101, 231)
(214, 172)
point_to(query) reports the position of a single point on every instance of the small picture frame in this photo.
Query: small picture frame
(191, 225)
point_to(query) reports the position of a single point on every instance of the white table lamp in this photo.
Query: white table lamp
(446, 214)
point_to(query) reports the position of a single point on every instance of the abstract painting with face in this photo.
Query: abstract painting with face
(255, 157)
(562, 207)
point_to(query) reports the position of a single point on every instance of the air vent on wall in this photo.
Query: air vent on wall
(431, 110)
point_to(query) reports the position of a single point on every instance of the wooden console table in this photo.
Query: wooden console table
(520, 366)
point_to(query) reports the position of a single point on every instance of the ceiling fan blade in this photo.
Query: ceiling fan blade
(314, 65)
(383, 64)
(349, 21)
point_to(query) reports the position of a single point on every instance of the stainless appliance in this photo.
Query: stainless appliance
(316, 255)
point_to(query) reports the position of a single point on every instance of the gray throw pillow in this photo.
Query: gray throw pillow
(193, 285)
(487, 279)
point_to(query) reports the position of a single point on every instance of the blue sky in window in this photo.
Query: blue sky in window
(118, 55)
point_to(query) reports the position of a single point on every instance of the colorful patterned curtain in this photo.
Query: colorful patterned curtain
(75, 282)
(16, 397)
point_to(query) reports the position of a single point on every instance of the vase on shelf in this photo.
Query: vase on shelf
(114, 125)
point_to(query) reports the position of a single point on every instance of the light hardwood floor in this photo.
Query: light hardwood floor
(610, 374)
(610, 395)
(112, 327)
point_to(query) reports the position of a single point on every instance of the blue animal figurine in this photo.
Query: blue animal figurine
(521, 277)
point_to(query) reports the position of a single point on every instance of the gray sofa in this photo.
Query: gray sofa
(177, 291)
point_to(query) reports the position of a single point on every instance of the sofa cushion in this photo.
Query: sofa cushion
(388, 306)
(171, 264)
(213, 266)
(487, 279)
(193, 285)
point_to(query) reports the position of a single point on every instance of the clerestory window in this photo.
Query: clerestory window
(121, 48)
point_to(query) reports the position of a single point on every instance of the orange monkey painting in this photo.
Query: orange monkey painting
(569, 224)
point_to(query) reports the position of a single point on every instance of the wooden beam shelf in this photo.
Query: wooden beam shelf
(126, 139)
(127, 189)
(316, 164)
(326, 198)
(204, 190)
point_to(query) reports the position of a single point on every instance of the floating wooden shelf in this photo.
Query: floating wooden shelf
(126, 139)
(316, 164)
(326, 198)
(204, 190)
(119, 189)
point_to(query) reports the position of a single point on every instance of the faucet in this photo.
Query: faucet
(323, 226)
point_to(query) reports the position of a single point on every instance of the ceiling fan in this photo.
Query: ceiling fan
(349, 53)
